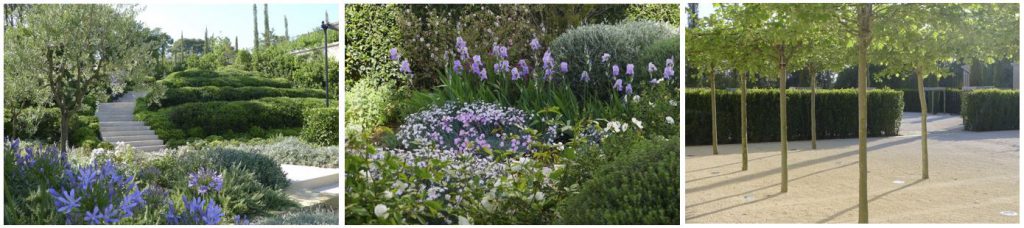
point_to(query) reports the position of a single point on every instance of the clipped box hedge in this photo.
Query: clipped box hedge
(230, 78)
(176, 96)
(253, 118)
(320, 126)
(991, 110)
(836, 114)
(937, 101)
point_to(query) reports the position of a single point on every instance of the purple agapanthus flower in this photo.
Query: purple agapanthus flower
(110, 215)
(585, 77)
(535, 44)
(605, 57)
(394, 54)
(206, 180)
(615, 70)
(564, 67)
(618, 85)
(629, 69)
(651, 68)
(93, 217)
(65, 200)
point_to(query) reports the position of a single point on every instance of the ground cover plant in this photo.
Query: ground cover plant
(514, 131)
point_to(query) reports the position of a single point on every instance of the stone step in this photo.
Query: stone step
(130, 138)
(142, 143)
(156, 148)
(127, 133)
(114, 129)
(108, 118)
(121, 124)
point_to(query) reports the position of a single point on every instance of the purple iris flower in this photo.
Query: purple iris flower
(483, 74)
(394, 54)
(535, 44)
(615, 70)
(457, 66)
(618, 85)
(585, 77)
(404, 67)
(460, 47)
(564, 67)
(651, 68)
(669, 72)
(605, 57)
(629, 88)
(629, 69)
(515, 74)
(526, 68)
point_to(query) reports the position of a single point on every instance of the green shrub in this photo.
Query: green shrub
(836, 114)
(991, 110)
(309, 73)
(284, 150)
(668, 13)
(231, 78)
(582, 48)
(25, 198)
(85, 130)
(181, 95)
(325, 213)
(369, 104)
(657, 53)
(320, 126)
(229, 119)
(638, 187)
(268, 172)
(371, 30)
(947, 101)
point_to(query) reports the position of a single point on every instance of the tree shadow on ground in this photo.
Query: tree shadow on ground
(855, 206)
(769, 186)
(798, 165)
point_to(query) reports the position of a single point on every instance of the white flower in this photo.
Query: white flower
(381, 211)
(538, 196)
(546, 171)
(670, 120)
(388, 194)
(638, 123)
(636, 98)
(672, 103)
(464, 221)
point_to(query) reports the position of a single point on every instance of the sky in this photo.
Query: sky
(703, 10)
(232, 20)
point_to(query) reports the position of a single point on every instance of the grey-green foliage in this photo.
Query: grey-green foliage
(369, 104)
(284, 150)
(325, 213)
(583, 47)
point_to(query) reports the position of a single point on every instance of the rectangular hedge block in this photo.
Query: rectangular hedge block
(991, 110)
(836, 114)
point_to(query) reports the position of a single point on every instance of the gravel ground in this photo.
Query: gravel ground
(974, 179)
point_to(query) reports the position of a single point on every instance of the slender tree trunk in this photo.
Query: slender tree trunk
(783, 129)
(714, 113)
(255, 30)
(743, 117)
(814, 120)
(864, 18)
(266, 25)
(65, 128)
(924, 125)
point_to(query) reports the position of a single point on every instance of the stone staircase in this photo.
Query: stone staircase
(117, 124)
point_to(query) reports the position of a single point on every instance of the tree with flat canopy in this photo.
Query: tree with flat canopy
(75, 49)
(782, 33)
(704, 52)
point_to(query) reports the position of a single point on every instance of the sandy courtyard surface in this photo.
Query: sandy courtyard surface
(974, 178)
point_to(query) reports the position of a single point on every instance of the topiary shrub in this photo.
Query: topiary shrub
(320, 126)
(582, 48)
(991, 110)
(181, 95)
(836, 114)
(268, 172)
(232, 78)
(371, 30)
(231, 117)
(636, 188)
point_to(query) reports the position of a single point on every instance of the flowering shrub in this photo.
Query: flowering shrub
(467, 128)
(96, 194)
(200, 210)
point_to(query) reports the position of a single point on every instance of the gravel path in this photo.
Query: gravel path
(974, 179)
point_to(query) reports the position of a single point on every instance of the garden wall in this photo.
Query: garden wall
(836, 114)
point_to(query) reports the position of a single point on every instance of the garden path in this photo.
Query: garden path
(118, 124)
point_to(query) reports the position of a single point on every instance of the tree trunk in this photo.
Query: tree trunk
(255, 30)
(864, 18)
(743, 118)
(814, 120)
(782, 119)
(65, 129)
(714, 113)
(924, 125)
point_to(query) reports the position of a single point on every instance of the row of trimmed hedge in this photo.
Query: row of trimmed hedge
(230, 78)
(176, 96)
(320, 126)
(836, 114)
(252, 118)
(991, 109)
(947, 101)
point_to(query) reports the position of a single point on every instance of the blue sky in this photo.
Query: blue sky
(232, 20)
(703, 10)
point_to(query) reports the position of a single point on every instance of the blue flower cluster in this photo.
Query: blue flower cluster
(198, 210)
(97, 194)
